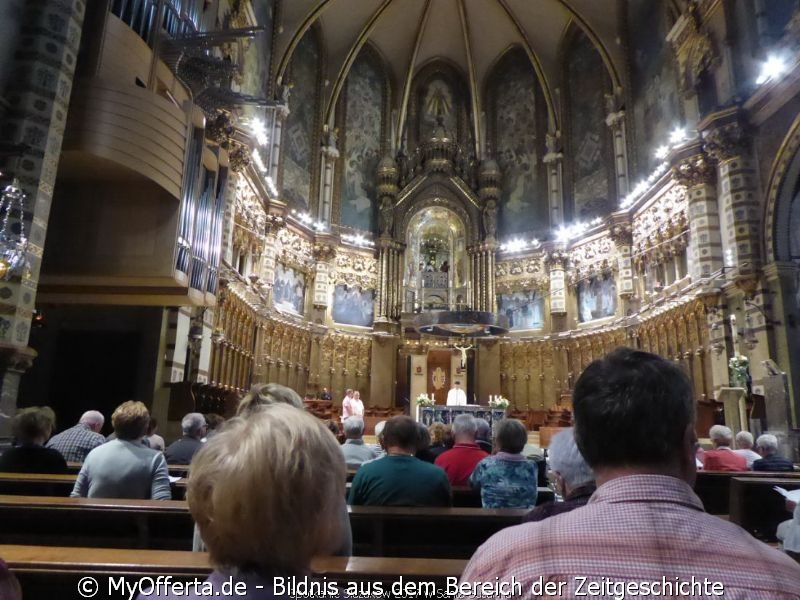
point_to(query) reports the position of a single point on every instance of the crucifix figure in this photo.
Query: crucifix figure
(463, 350)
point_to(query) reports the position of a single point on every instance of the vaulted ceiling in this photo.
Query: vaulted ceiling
(471, 34)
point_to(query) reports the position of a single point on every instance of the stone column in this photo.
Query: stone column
(42, 72)
(269, 259)
(281, 113)
(329, 154)
(695, 171)
(556, 266)
(622, 236)
(324, 254)
(616, 123)
(553, 159)
(783, 284)
(726, 142)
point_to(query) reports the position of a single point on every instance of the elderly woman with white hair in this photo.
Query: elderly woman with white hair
(262, 493)
(507, 479)
(571, 475)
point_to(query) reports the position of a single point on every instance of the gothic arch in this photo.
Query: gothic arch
(781, 192)
(440, 193)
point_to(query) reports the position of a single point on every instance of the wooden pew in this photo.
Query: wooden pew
(109, 522)
(45, 484)
(160, 524)
(54, 572)
(758, 508)
(714, 487)
(174, 470)
(454, 532)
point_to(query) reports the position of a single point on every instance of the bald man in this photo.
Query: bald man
(76, 442)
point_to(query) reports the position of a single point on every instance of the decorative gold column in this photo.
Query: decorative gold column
(389, 271)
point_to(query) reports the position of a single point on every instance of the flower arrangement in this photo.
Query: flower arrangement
(739, 370)
(498, 402)
(425, 400)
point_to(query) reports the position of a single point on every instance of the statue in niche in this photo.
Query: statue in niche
(490, 218)
(387, 216)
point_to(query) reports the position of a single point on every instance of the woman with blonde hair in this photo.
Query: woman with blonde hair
(263, 394)
(262, 493)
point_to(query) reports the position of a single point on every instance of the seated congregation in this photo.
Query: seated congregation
(267, 490)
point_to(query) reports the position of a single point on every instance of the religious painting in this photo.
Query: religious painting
(298, 149)
(525, 310)
(289, 289)
(597, 298)
(362, 143)
(656, 103)
(255, 73)
(353, 306)
(517, 137)
(589, 139)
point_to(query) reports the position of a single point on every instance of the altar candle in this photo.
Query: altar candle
(733, 329)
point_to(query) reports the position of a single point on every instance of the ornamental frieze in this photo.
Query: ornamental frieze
(521, 274)
(355, 269)
(293, 249)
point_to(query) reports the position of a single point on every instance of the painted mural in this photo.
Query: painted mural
(298, 133)
(255, 74)
(353, 306)
(525, 310)
(362, 144)
(597, 298)
(515, 143)
(289, 290)
(589, 137)
(438, 108)
(656, 104)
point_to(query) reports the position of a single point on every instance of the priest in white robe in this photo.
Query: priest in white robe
(456, 396)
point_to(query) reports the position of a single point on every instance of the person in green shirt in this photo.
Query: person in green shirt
(399, 478)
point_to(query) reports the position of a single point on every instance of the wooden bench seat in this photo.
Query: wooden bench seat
(714, 487)
(453, 532)
(54, 572)
(757, 507)
(46, 484)
(174, 470)
(154, 524)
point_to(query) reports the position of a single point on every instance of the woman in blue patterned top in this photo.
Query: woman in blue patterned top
(507, 479)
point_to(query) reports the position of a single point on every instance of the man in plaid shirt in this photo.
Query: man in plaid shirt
(76, 442)
(644, 533)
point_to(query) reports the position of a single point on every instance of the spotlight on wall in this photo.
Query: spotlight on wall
(677, 135)
(772, 68)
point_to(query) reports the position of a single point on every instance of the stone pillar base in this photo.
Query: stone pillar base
(14, 361)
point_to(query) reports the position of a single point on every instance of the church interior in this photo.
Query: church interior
(395, 196)
(340, 194)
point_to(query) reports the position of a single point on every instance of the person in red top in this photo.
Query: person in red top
(722, 457)
(459, 462)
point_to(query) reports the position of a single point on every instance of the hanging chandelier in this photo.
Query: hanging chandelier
(13, 243)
